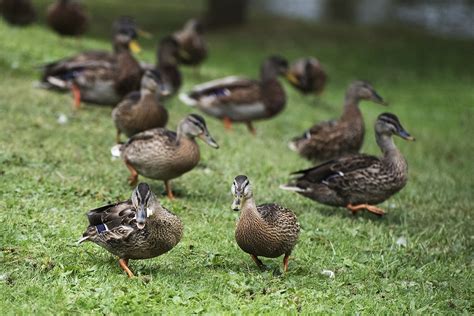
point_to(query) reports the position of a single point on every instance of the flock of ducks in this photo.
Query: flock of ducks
(141, 227)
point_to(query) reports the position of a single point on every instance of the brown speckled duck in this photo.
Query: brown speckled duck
(237, 99)
(68, 18)
(333, 139)
(359, 181)
(139, 228)
(164, 155)
(267, 230)
(18, 12)
(141, 110)
(307, 75)
(99, 77)
(192, 46)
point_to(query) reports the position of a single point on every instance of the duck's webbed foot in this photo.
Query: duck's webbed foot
(371, 208)
(259, 262)
(124, 265)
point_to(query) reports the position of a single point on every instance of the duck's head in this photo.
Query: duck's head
(125, 34)
(362, 90)
(274, 66)
(144, 202)
(168, 51)
(151, 82)
(241, 191)
(193, 126)
(388, 124)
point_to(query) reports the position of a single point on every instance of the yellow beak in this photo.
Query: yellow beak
(292, 78)
(134, 46)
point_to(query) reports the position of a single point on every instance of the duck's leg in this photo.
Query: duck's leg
(251, 128)
(285, 262)
(117, 136)
(227, 123)
(371, 208)
(124, 265)
(259, 262)
(133, 178)
(77, 96)
(169, 193)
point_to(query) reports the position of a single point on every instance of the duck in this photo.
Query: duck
(162, 154)
(192, 46)
(307, 75)
(359, 181)
(266, 230)
(138, 228)
(141, 110)
(18, 12)
(167, 64)
(98, 77)
(239, 99)
(335, 138)
(68, 18)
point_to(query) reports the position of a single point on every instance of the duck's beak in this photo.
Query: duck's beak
(134, 46)
(237, 203)
(292, 78)
(405, 135)
(209, 140)
(143, 33)
(377, 98)
(141, 217)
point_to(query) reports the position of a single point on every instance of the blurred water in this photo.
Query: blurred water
(453, 18)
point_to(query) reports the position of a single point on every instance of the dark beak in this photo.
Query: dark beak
(209, 140)
(141, 217)
(377, 98)
(405, 135)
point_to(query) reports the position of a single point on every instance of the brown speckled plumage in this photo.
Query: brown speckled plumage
(193, 48)
(333, 139)
(164, 155)
(141, 110)
(267, 230)
(307, 75)
(239, 99)
(358, 179)
(67, 18)
(115, 227)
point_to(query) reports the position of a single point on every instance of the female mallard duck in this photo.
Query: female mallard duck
(18, 12)
(307, 75)
(164, 155)
(359, 181)
(139, 228)
(67, 18)
(193, 48)
(333, 139)
(236, 99)
(267, 230)
(141, 110)
(98, 77)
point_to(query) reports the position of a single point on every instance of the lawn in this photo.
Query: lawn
(52, 173)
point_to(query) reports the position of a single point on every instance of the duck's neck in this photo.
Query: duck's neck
(249, 209)
(351, 108)
(268, 73)
(391, 154)
(147, 94)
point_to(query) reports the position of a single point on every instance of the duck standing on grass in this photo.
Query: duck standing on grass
(139, 228)
(267, 230)
(237, 99)
(68, 18)
(358, 181)
(333, 139)
(99, 77)
(163, 154)
(141, 110)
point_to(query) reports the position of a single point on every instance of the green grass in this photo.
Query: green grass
(52, 174)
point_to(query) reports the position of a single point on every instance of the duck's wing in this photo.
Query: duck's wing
(228, 90)
(110, 222)
(278, 216)
(321, 135)
(162, 135)
(337, 170)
